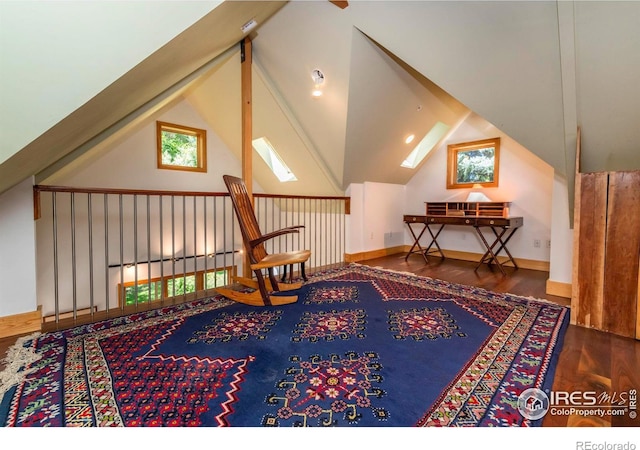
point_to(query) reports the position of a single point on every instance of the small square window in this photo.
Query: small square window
(181, 147)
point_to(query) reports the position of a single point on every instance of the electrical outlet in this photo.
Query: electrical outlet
(536, 243)
(548, 243)
(371, 237)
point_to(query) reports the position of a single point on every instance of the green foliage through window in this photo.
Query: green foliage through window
(148, 291)
(179, 149)
(476, 166)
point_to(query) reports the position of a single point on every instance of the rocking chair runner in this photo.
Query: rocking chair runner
(258, 256)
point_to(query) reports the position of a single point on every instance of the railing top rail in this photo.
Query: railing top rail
(84, 190)
(313, 197)
(66, 189)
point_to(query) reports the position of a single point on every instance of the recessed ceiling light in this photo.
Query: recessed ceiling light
(317, 76)
(409, 139)
(318, 80)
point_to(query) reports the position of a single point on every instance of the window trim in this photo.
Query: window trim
(201, 145)
(452, 163)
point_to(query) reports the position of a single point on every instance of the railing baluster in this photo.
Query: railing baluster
(315, 241)
(224, 232)
(163, 283)
(326, 231)
(135, 253)
(106, 251)
(56, 293)
(90, 227)
(273, 224)
(149, 277)
(184, 247)
(123, 292)
(206, 248)
(233, 236)
(215, 238)
(195, 247)
(299, 223)
(173, 247)
(74, 285)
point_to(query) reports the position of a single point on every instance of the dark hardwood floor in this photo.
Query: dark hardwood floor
(590, 360)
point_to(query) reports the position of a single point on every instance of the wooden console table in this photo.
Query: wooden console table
(491, 215)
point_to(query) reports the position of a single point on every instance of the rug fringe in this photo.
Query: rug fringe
(17, 360)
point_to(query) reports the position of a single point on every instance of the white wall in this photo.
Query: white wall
(384, 205)
(355, 220)
(131, 163)
(524, 179)
(561, 234)
(55, 56)
(17, 250)
(376, 216)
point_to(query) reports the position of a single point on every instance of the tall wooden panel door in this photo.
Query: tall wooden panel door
(607, 253)
(591, 222)
(622, 249)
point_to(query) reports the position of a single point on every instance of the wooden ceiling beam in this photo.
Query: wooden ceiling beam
(340, 4)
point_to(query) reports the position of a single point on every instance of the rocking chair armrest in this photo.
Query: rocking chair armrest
(273, 234)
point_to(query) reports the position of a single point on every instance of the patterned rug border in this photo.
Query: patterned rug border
(449, 284)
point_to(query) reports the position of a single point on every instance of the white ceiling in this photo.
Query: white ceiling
(535, 70)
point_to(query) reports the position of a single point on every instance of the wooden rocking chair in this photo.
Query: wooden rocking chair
(258, 256)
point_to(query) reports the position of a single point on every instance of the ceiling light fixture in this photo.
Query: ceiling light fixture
(318, 80)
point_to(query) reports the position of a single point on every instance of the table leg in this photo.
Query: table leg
(485, 258)
(491, 256)
(503, 244)
(416, 242)
(434, 240)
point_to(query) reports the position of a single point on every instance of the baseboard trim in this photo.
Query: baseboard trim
(69, 315)
(523, 263)
(21, 323)
(372, 254)
(559, 289)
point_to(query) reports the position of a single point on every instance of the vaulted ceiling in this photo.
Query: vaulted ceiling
(354, 132)
(391, 69)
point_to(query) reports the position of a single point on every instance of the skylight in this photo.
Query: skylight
(273, 160)
(426, 145)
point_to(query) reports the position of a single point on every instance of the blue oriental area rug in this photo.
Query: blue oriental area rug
(361, 347)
